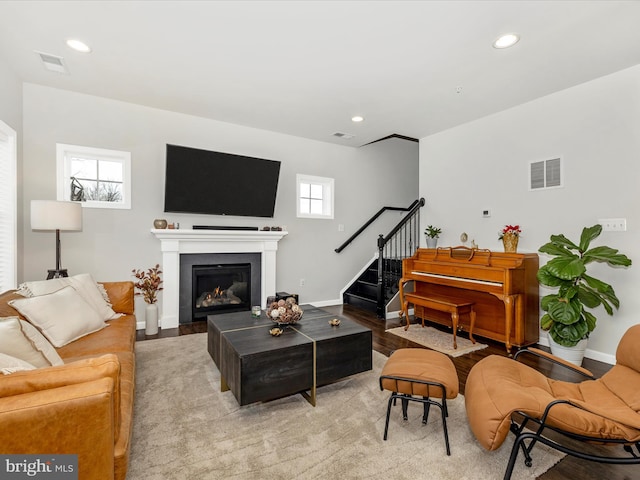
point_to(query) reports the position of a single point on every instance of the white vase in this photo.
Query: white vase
(570, 354)
(432, 242)
(151, 319)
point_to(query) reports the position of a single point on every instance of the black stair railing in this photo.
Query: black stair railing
(400, 243)
(410, 208)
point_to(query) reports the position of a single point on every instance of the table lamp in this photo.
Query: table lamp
(54, 215)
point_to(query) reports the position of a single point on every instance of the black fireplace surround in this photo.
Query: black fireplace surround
(218, 283)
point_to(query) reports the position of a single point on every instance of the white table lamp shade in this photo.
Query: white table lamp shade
(54, 215)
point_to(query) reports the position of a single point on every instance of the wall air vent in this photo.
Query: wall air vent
(346, 136)
(53, 63)
(545, 174)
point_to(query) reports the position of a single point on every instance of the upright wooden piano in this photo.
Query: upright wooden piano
(502, 286)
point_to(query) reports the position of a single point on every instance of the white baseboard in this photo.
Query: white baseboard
(327, 303)
(600, 357)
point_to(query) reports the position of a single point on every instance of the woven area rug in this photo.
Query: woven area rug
(436, 340)
(184, 427)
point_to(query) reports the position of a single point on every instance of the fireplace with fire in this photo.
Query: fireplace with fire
(218, 283)
(220, 287)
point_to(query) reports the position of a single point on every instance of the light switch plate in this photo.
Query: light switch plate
(613, 224)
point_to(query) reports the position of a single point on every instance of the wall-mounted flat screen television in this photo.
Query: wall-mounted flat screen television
(216, 183)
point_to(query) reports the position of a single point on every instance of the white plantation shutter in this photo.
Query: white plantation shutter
(8, 205)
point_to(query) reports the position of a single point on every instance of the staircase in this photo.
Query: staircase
(378, 283)
(363, 293)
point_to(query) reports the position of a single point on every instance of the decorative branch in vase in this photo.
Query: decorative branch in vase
(148, 284)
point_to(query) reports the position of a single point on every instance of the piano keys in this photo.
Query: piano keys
(502, 286)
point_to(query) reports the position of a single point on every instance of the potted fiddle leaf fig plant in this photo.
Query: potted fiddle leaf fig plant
(567, 318)
(432, 233)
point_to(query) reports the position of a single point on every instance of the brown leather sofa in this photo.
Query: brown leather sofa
(83, 407)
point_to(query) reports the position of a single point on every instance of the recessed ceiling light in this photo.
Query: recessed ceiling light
(357, 119)
(506, 41)
(78, 46)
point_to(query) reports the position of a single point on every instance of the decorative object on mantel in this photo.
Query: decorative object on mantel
(284, 312)
(432, 233)
(159, 223)
(148, 285)
(334, 322)
(509, 236)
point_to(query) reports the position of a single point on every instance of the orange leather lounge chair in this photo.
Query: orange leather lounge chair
(504, 395)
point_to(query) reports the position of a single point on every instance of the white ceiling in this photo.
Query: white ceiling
(305, 68)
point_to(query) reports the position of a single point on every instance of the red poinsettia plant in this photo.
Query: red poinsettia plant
(511, 230)
(148, 284)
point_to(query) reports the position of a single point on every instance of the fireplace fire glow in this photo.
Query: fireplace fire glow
(217, 297)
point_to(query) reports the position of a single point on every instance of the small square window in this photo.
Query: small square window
(315, 196)
(96, 177)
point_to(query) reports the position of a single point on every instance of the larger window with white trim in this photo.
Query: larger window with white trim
(315, 196)
(97, 177)
(8, 208)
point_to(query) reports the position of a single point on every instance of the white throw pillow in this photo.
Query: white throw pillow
(41, 343)
(62, 316)
(9, 364)
(16, 343)
(84, 284)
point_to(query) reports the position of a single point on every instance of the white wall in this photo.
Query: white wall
(11, 114)
(595, 128)
(10, 98)
(113, 242)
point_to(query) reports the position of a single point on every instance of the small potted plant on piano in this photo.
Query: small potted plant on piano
(432, 233)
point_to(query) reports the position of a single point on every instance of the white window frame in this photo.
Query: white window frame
(8, 208)
(327, 195)
(65, 152)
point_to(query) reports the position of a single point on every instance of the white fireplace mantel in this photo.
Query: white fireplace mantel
(173, 243)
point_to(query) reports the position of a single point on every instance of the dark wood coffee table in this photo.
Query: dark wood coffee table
(256, 366)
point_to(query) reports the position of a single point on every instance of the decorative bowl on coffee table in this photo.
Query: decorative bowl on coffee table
(284, 312)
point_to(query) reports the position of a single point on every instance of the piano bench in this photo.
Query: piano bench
(417, 374)
(441, 303)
